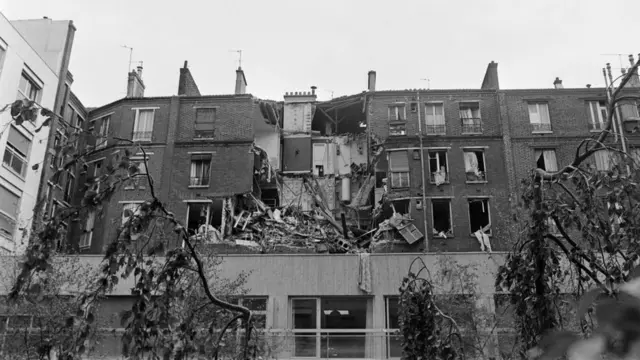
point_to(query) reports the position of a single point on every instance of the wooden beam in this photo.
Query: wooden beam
(327, 115)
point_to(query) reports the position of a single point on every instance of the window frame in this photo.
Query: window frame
(435, 128)
(488, 204)
(482, 150)
(539, 127)
(446, 164)
(397, 129)
(396, 111)
(195, 122)
(388, 330)
(191, 164)
(610, 164)
(11, 217)
(542, 151)
(83, 243)
(124, 204)
(597, 106)
(15, 153)
(476, 126)
(34, 84)
(450, 233)
(398, 175)
(67, 195)
(136, 124)
(141, 161)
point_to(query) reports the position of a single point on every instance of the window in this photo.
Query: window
(414, 107)
(475, 165)
(128, 211)
(16, 152)
(438, 167)
(46, 198)
(103, 132)
(258, 307)
(397, 130)
(479, 215)
(605, 160)
(2, 55)
(200, 214)
(87, 231)
(139, 178)
(143, 125)
(205, 123)
(397, 112)
(68, 188)
(394, 339)
(200, 169)
(97, 172)
(442, 226)
(399, 169)
(28, 88)
(598, 114)
(470, 117)
(69, 115)
(54, 208)
(8, 212)
(314, 322)
(539, 116)
(546, 159)
(434, 118)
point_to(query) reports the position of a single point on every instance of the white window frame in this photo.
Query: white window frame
(103, 132)
(208, 216)
(446, 164)
(437, 126)
(596, 115)
(191, 165)
(604, 157)
(11, 217)
(474, 122)
(142, 162)
(95, 175)
(484, 163)
(399, 176)
(15, 154)
(548, 150)
(398, 129)
(34, 82)
(87, 231)
(389, 331)
(394, 112)
(536, 121)
(3, 53)
(145, 135)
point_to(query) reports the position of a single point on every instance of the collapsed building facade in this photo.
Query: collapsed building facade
(327, 203)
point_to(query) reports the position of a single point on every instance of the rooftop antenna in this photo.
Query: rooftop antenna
(619, 58)
(428, 83)
(239, 57)
(130, 56)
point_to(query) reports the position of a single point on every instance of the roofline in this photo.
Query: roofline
(29, 44)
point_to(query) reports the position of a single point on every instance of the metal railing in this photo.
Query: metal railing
(435, 129)
(199, 181)
(142, 135)
(472, 125)
(541, 127)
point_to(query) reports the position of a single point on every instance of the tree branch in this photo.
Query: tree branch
(224, 330)
(566, 251)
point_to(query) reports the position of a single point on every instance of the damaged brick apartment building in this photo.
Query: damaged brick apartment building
(328, 202)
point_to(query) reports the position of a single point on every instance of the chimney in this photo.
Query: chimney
(490, 81)
(313, 90)
(557, 83)
(241, 82)
(588, 86)
(135, 85)
(634, 81)
(371, 86)
(186, 85)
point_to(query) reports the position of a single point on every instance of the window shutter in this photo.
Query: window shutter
(205, 119)
(19, 141)
(8, 202)
(398, 161)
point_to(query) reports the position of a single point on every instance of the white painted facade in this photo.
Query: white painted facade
(19, 188)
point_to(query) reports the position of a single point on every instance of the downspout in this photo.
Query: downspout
(424, 186)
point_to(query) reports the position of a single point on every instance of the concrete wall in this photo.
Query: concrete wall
(19, 57)
(47, 37)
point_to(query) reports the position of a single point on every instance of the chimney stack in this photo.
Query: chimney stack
(313, 90)
(588, 86)
(241, 82)
(490, 81)
(135, 85)
(557, 83)
(371, 86)
(634, 81)
(186, 84)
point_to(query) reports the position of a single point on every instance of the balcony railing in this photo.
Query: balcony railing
(541, 127)
(471, 125)
(142, 135)
(436, 129)
(204, 134)
(199, 181)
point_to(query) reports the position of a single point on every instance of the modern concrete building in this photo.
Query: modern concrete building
(34, 56)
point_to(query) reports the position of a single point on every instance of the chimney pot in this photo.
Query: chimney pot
(371, 86)
(139, 70)
(631, 60)
(185, 64)
(313, 90)
(588, 86)
(557, 83)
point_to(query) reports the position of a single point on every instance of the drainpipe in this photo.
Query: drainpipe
(424, 186)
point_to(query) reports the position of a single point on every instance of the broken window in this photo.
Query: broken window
(205, 123)
(399, 169)
(200, 214)
(200, 168)
(402, 206)
(479, 215)
(442, 218)
(397, 112)
(470, 117)
(438, 167)
(397, 130)
(539, 116)
(434, 118)
(474, 165)
(605, 159)
(546, 159)
(597, 114)
(414, 107)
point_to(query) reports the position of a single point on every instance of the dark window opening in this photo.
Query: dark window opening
(402, 206)
(474, 165)
(442, 218)
(397, 130)
(479, 215)
(270, 197)
(200, 214)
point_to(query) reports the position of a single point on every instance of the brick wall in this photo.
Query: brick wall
(234, 119)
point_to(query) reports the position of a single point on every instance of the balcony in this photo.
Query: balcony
(199, 181)
(204, 134)
(440, 129)
(142, 135)
(541, 127)
(471, 125)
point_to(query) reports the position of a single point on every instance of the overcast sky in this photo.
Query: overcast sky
(292, 45)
